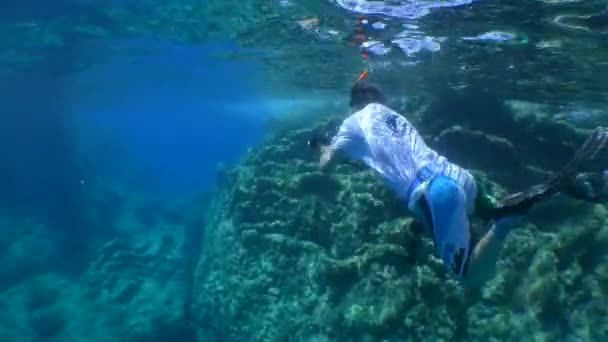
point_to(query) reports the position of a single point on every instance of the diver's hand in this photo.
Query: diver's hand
(326, 157)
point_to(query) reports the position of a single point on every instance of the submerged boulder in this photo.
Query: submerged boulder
(141, 287)
(137, 287)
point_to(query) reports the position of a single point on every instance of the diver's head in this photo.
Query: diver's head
(441, 205)
(364, 93)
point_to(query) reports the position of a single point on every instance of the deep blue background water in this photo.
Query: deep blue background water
(153, 119)
(160, 119)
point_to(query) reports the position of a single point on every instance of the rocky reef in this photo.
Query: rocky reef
(291, 253)
(137, 286)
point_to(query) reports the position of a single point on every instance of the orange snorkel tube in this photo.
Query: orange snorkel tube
(363, 75)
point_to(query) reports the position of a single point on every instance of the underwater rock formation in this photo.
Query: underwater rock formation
(137, 287)
(18, 240)
(291, 253)
(141, 287)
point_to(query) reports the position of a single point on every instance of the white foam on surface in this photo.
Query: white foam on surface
(407, 9)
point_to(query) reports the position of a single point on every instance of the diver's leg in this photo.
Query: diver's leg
(483, 259)
(591, 187)
(509, 211)
(519, 203)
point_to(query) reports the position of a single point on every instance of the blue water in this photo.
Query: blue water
(159, 120)
(150, 119)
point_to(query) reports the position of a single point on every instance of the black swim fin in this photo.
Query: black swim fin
(519, 203)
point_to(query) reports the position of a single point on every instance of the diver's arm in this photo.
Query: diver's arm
(322, 142)
(483, 259)
(330, 156)
(347, 139)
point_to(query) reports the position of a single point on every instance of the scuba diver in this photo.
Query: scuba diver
(441, 195)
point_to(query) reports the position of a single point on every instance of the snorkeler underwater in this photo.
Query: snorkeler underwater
(290, 170)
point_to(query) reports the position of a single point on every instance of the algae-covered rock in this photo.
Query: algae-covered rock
(17, 242)
(136, 288)
(141, 286)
